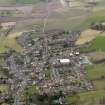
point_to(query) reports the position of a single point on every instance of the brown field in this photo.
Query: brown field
(87, 36)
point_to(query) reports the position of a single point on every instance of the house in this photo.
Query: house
(64, 61)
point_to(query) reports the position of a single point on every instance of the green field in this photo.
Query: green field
(99, 84)
(87, 98)
(8, 42)
(95, 71)
(98, 44)
(91, 98)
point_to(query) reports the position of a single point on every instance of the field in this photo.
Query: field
(96, 56)
(99, 84)
(87, 98)
(9, 42)
(96, 45)
(4, 88)
(95, 71)
(87, 36)
(63, 20)
(91, 98)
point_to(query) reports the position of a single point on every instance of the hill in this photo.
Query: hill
(19, 1)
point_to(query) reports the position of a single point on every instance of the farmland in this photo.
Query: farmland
(6, 43)
(96, 45)
(95, 71)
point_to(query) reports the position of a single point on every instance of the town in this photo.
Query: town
(52, 53)
(52, 59)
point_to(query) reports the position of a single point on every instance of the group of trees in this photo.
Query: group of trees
(46, 99)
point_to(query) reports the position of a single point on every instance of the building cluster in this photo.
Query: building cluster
(52, 62)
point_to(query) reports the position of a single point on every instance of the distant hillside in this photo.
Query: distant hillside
(28, 1)
(19, 1)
